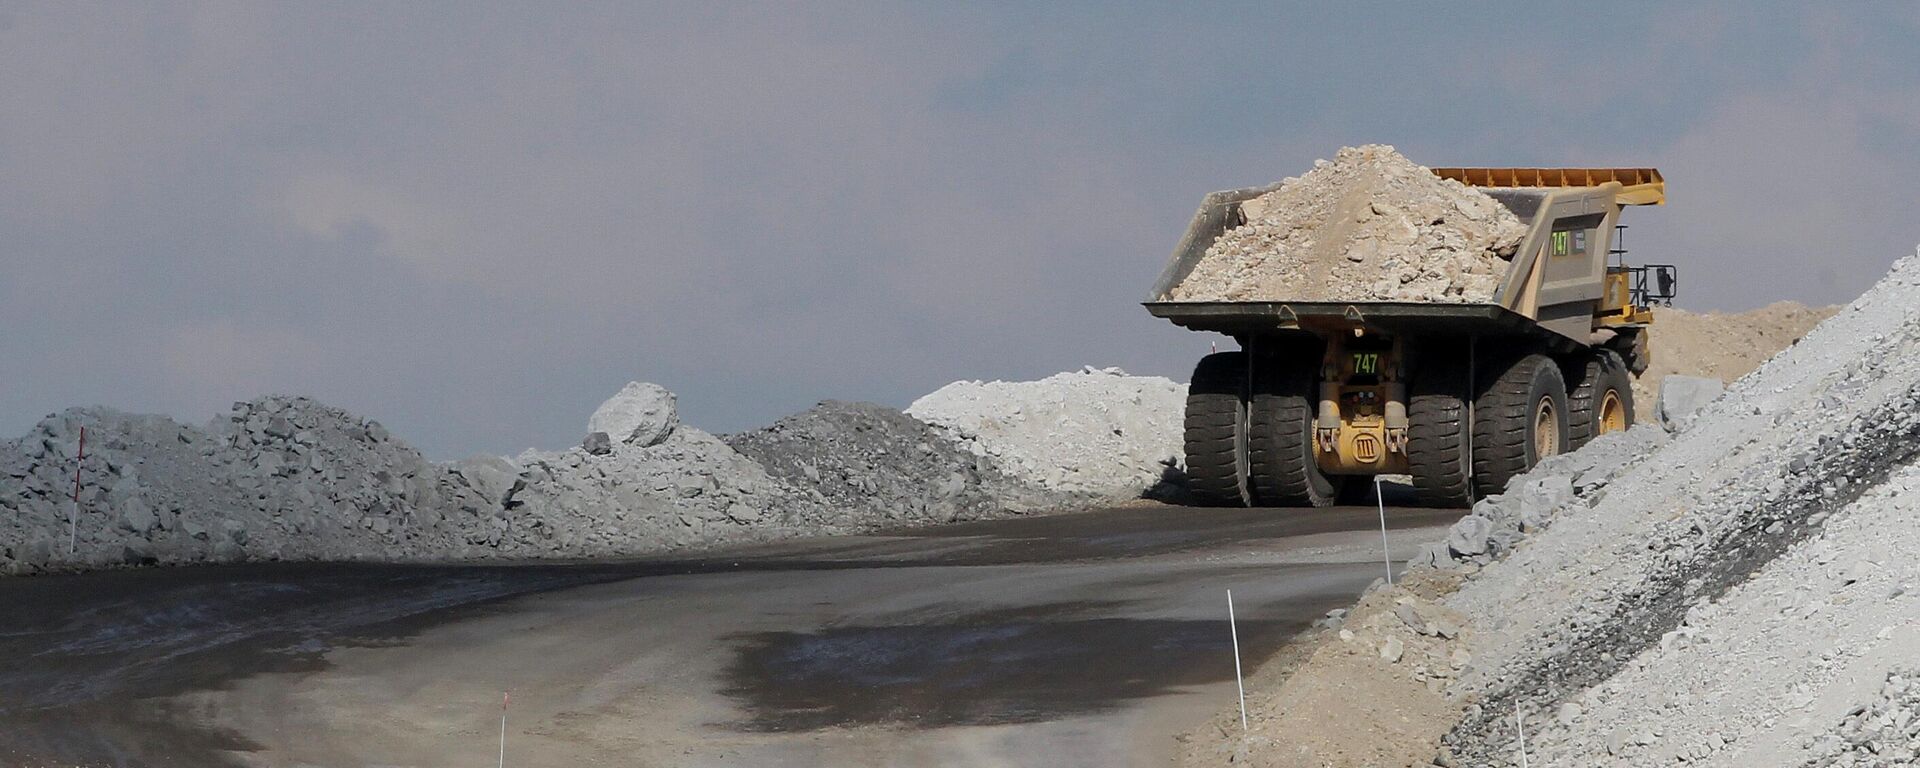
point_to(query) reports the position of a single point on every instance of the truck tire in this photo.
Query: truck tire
(1519, 419)
(1440, 435)
(1216, 431)
(1281, 464)
(1601, 399)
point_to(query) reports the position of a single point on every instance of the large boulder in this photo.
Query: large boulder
(492, 477)
(1470, 536)
(640, 415)
(1683, 396)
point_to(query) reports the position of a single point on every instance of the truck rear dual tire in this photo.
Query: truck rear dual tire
(1440, 435)
(1601, 399)
(1519, 419)
(1283, 468)
(1216, 431)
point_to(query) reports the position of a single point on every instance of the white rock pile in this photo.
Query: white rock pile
(1368, 226)
(1098, 431)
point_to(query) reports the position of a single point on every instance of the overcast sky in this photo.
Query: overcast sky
(475, 222)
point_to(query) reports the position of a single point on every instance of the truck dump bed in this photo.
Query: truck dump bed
(1551, 289)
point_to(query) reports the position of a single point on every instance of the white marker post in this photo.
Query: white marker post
(504, 698)
(1386, 554)
(1234, 628)
(73, 518)
(1520, 725)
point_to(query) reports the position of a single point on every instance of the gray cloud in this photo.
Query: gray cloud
(473, 223)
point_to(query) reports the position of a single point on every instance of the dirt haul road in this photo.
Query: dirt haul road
(1082, 639)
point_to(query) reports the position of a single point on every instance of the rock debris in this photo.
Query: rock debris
(1368, 226)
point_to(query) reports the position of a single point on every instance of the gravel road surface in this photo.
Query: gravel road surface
(1079, 639)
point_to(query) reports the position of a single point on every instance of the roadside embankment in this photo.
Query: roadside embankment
(1736, 593)
(1719, 345)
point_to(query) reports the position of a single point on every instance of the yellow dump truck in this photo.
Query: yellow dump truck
(1463, 397)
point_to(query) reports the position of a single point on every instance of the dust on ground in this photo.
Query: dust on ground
(1367, 689)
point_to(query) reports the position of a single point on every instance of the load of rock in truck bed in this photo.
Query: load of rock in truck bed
(1368, 226)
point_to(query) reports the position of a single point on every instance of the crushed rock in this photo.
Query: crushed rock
(1369, 226)
(1732, 593)
(1097, 431)
(874, 465)
(690, 489)
(1558, 485)
(288, 478)
(1368, 693)
(1761, 469)
(1719, 345)
(1882, 734)
(278, 478)
(1783, 669)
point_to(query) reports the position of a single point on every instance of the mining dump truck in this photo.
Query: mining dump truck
(1462, 396)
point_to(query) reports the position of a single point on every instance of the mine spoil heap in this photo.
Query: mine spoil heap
(1368, 226)
(289, 478)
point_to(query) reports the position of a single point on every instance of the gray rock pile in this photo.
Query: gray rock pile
(277, 478)
(287, 478)
(142, 484)
(1369, 226)
(1098, 431)
(870, 465)
(689, 489)
(302, 460)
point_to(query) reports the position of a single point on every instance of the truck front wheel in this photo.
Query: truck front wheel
(1284, 470)
(1601, 400)
(1216, 431)
(1519, 420)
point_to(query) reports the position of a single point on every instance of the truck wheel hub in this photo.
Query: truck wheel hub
(1613, 413)
(1546, 429)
